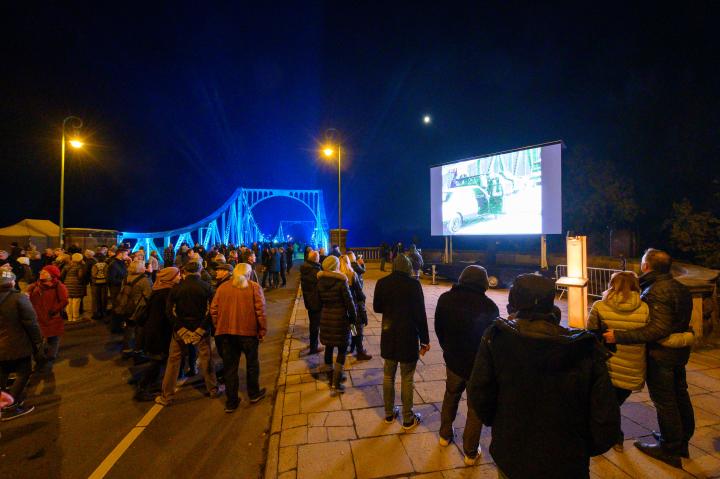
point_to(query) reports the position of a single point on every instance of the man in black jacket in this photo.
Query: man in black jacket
(308, 282)
(116, 274)
(461, 317)
(400, 300)
(188, 305)
(544, 389)
(670, 310)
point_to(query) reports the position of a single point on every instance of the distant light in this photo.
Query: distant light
(328, 151)
(76, 143)
(427, 119)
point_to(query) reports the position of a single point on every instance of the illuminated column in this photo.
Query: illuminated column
(576, 281)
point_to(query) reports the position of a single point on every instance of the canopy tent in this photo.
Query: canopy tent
(43, 233)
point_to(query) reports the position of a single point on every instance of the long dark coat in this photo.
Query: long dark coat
(338, 309)
(157, 328)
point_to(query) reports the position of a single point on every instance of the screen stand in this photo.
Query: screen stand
(543, 253)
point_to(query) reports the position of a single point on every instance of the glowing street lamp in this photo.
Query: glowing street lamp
(427, 119)
(75, 143)
(329, 150)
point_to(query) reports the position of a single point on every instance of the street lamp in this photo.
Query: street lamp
(75, 143)
(329, 151)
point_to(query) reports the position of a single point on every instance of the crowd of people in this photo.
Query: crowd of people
(551, 394)
(172, 312)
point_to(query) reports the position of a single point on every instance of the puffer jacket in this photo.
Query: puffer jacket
(19, 330)
(627, 366)
(670, 305)
(308, 282)
(338, 308)
(73, 277)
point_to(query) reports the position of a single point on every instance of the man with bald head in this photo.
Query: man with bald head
(670, 309)
(308, 282)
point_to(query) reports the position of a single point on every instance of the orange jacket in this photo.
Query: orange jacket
(240, 312)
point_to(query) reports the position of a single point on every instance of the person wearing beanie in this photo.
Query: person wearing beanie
(544, 386)
(74, 278)
(187, 306)
(338, 312)
(308, 283)
(400, 300)
(157, 331)
(20, 340)
(49, 297)
(461, 317)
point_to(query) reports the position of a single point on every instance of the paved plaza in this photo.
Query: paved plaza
(314, 435)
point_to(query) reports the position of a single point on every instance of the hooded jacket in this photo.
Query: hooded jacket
(670, 305)
(627, 365)
(461, 317)
(338, 308)
(546, 392)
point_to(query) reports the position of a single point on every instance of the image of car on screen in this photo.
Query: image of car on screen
(470, 202)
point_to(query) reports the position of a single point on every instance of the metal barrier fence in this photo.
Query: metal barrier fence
(372, 253)
(598, 279)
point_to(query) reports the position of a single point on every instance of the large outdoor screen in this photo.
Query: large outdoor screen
(514, 192)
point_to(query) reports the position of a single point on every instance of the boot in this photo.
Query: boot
(337, 386)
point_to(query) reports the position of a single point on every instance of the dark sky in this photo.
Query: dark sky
(182, 104)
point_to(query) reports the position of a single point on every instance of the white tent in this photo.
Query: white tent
(43, 233)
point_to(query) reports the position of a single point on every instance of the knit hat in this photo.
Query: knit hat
(6, 277)
(474, 276)
(192, 267)
(165, 277)
(331, 263)
(402, 264)
(224, 266)
(24, 260)
(77, 257)
(53, 270)
(532, 293)
(219, 258)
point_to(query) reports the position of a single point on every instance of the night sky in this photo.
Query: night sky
(184, 104)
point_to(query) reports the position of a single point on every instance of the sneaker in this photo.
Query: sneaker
(15, 411)
(260, 395)
(471, 461)
(162, 401)
(414, 422)
(391, 418)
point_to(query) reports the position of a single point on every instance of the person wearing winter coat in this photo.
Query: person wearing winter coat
(308, 283)
(49, 297)
(275, 265)
(358, 265)
(157, 331)
(26, 278)
(461, 317)
(238, 316)
(116, 274)
(141, 288)
(415, 260)
(98, 286)
(74, 278)
(153, 265)
(169, 256)
(337, 313)
(400, 300)
(188, 304)
(544, 389)
(283, 266)
(20, 340)
(356, 288)
(670, 305)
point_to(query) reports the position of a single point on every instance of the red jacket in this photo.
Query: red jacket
(240, 312)
(48, 302)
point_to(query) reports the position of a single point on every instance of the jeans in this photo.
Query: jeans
(282, 277)
(454, 387)
(667, 385)
(73, 309)
(266, 275)
(340, 359)
(356, 341)
(178, 349)
(314, 320)
(275, 279)
(22, 368)
(99, 296)
(232, 348)
(51, 346)
(407, 372)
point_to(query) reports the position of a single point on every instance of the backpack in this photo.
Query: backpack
(123, 306)
(99, 272)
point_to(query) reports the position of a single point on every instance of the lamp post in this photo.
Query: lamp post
(75, 143)
(329, 152)
(333, 143)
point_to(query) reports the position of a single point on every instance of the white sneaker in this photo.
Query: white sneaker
(471, 461)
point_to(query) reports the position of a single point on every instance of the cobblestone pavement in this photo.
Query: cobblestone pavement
(315, 435)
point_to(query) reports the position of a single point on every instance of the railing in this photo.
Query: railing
(598, 279)
(372, 253)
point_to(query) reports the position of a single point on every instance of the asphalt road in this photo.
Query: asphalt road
(85, 408)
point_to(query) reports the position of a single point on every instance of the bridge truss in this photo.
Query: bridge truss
(234, 223)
